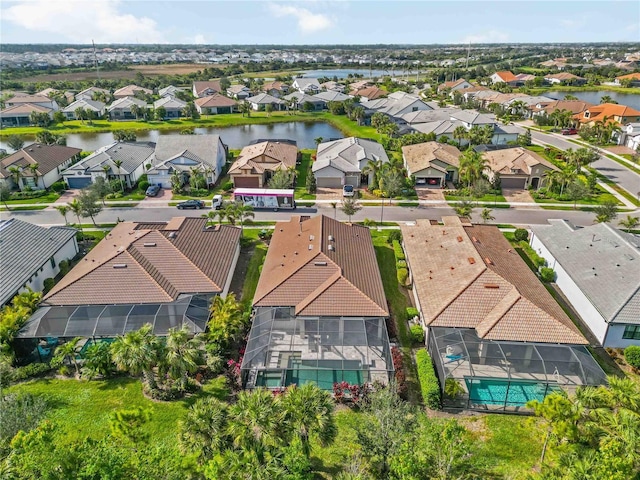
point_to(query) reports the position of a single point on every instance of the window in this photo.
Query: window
(631, 332)
(53, 262)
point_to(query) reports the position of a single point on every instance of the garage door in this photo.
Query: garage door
(78, 182)
(512, 182)
(246, 182)
(329, 182)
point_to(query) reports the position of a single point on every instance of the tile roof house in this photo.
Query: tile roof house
(564, 78)
(432, 164)
(256, 163)
(321, 303)
(608, 112)
(135, 156)
(163, 273)
(173, 106)
(300, 99)
(98, 108)
(506, 77)
(276, 88)
(205, 153)
(205, 89)
(597, 269)
(20, 115)
(368, 93)
(215, 104)
(31, 254)
(517, 167)
(306, 85)
(630, 136)
(131, 91)
(333, 86)
(50, 159)
(490, 322)
(574, 106)
(455, 85)
(40, 100)
(396, 104)
(89, 93)
(171, 90)
(239, 92)
(632, 78)
(121, 109)
(340, 162)
(332, 96)
(260, 101)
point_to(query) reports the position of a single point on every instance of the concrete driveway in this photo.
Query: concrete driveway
(517, 195)
(328, 194)
(430, 194)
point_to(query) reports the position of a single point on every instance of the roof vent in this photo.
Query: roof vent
(491, 285)
(331, 248)
(311, 238)
(475, 240)
(119, 265)
(459, 238)
(310, 246)
(444, 232)
(471, 260)
(172, 234)
(331, 239)
(488, 260)
(149, 244)
(320, 264)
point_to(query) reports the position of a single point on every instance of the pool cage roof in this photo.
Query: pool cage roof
(114, 320)
(460, 353)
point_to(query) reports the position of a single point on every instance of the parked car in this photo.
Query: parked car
(348, 191)
(216, 203)
(195, 204)
(152, 191)
(568, 131)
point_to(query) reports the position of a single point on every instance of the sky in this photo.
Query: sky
(314, 22)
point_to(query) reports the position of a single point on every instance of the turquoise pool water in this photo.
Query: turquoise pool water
(512, 393)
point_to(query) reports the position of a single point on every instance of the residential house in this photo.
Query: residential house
(632, 79)
(206, 89)
(275, 89)
(186, 154)
(38, 100)
(239, 92)
(47, 160)
(300, 101)
(31, 254)
(596, 268)
(368, 93)
(506, 77)
(133, 158)
(564, 78)
(48, 92)
(608, 112)
(432, 164)
(490, 324)
(360, 84)
(121, 109)
(171, 90)
(257, 163)
(215, 104)
(333, 86)
(20, 115)
(630, 136)
(332, 96)
(517, 167)
(89, 93)
(98, 108)
(173, 106)
(340, 162)
(131, 91)
(548, 107)
(319, 309)
(306, 85)
(162, 273)
(259, 102)
(525, 77)
(396, 104)
(454, 85)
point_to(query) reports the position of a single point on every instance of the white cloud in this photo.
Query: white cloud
(308, 21)
(490, 36)
(81, 21)
(200, 39)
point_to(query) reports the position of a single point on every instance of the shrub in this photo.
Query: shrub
(402, 274)
(48, 283)
(226, 186)
(198, 192)
(369, 223)
(632, 356)
(401, 264)
(58, 186)
(429, 385)
(143, 185)
(417, 334)
(400, 375)
(521, 235)
(29, 371)
(547, 274)
(397, 250)
(453, 388)
(412, 312)
(394, 236)
(28, 194)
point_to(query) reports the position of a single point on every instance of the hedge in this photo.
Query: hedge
(401, 264)
(429, 385)
(397, 250)
(403, 274)
(632, 356)
(412, 312)
(417, 334)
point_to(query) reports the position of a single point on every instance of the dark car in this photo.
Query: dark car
(152, 191)
(195, 204)
(568, 131)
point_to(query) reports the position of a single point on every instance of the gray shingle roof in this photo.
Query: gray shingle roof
(24, 248)
(86, 104)
(332, 96)
(131, 154)
(602, 261)
(200, 148)
(264, 98)
(347, 153)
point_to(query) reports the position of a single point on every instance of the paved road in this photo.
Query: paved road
(624, 177)
(399, 214)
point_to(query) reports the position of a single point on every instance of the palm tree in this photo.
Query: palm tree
(76, 208)
(34, 171)
(464, 209)
(63, 209)
(183, 354)
(566, 176)
(136, 353)
(460, 133)
(239, 212)
(472, 165)
(69, 351)
(212, 215)
(16, 174)
(374, 168)
(177, 181)
(486, 215)
(309, 412)
(226, 320)
(118, 165)
(203, 431)
(629, 223)
(318, 140)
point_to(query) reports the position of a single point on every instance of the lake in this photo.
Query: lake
(629, 99)
(236, 137)
(344, 72)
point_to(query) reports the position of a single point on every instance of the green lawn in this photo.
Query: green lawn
(30, 207)
(488, 198)
(50, 197)
(253, 270)
(301, 180)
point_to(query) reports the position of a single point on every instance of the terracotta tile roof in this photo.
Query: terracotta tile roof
(130, 91)
(371, 93)
(300, 270)
(609, 110)
(629, 76)
(24, 109)
(48, 158)
(418, 157)
(574, 106)
(563, 76)
(266, 156)
(468, 277)
(276, 85)
(21, 99)
(506, 76)
(517, 160)
(200, 87)
(215, 100)
(162, 261)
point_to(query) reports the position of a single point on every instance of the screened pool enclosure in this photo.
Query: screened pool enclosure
(501, 375)
(283, 350)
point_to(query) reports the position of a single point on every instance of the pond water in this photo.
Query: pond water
(236, 137)
(629, 99)
(344, 72)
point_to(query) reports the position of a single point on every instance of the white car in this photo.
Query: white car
(216, 203)
(348, 191)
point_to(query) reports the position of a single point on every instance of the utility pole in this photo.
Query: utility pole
(466, 65)
(95, 59)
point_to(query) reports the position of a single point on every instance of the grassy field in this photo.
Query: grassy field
(301, 180)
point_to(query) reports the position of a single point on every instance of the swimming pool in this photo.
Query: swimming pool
(512, 393)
